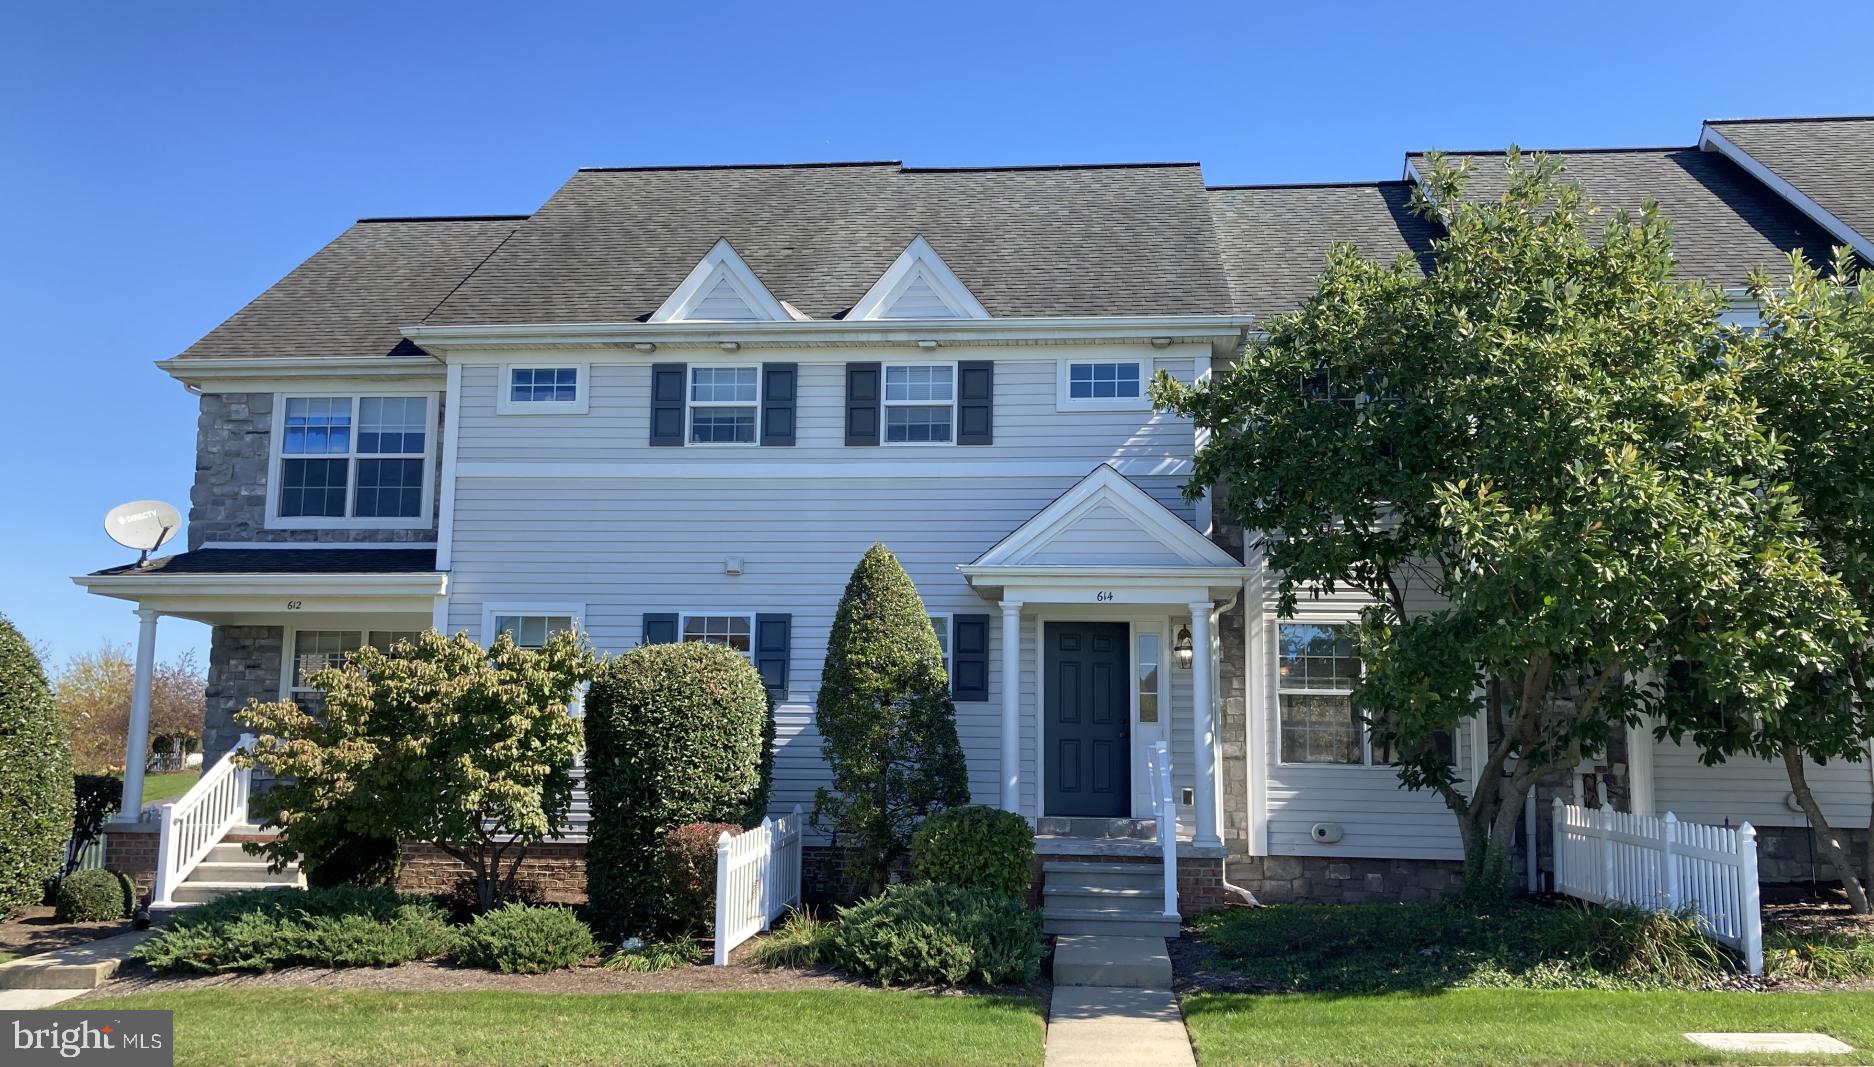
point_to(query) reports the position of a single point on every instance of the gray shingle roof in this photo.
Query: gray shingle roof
(611, 245)
(1724, 221)
(1829, 160)
(288, 561)
(354, 295)
(1275, 238)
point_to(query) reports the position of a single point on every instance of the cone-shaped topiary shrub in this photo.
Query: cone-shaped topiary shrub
(887, 725)
(35, 776)
(675, 734)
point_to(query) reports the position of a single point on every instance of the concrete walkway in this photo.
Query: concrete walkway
(36, 981)
(1104, 1026)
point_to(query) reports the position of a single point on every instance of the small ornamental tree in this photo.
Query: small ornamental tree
(675, 734)
(467, 748)
(887, 725)
(1811, 370)
(35, 776)
(1545, 436)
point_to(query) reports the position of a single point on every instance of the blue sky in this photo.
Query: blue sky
(164, 163)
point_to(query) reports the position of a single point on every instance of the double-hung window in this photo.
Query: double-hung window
(532, 631)
(920, 404)
(346, 460)
(732, 631)
(551, 390)
(1316, 671)
(724, 405)
(315, 650)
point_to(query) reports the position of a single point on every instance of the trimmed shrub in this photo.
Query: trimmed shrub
(520, 939)
(341, 926)
(688, 853)
(800, 941)
(976, 847)
(887, 726)
(934, 934)
(674, 734)
(35, 776)
(93, 896)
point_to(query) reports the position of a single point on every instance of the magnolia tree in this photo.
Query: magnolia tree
(440, 740)
(1542, 437)
(1811, 370)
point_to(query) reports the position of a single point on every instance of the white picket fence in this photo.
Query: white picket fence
(1606, 856)
(757, 878)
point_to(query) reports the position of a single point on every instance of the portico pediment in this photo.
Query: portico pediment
(1105, 522)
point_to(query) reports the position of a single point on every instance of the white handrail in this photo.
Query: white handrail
(1165, 809)
(195, 822)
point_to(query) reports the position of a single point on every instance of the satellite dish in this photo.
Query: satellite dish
(145, 525)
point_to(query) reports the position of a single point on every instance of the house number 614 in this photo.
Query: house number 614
(1103, 595)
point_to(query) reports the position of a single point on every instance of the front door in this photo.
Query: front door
(1089, 711)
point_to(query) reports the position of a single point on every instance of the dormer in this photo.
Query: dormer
(918, 285)
(721, 288)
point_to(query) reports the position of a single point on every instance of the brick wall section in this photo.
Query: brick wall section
(233, 435)
(553, 873)
(131, 848)
(244, 664)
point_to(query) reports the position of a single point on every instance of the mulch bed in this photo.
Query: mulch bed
(1803, 913)
(34, 930)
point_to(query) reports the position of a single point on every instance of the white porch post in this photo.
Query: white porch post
(137, 741)
(1012, 705)
(1203, 728)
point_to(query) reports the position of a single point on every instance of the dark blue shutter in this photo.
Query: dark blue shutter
(772, 644)
(862, 403)
(660, 628)
(668, 381)
(777, 402)
(976, 396)
(969, 657)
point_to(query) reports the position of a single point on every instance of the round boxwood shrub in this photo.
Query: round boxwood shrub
(90, 897)
(35, 776)
(525, 939)
(934, 934)
(977, 847)
(675, 734)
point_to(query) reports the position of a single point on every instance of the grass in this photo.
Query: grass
(657, 956)
(810, 1028)
(169, 786)
(1818, 955)
(1512, 1027)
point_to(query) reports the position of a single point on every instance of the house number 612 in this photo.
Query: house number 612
(1103, 595)
(294, 605)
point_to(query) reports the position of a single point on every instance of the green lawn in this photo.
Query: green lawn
(816, 1028)
(169, 786)
(1512, 1027)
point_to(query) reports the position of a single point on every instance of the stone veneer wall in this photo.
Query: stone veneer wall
(229, 501)
(244, 663)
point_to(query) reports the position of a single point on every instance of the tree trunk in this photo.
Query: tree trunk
(1832, 846)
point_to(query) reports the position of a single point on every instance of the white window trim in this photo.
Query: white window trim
(1064, 402)
(574, 608)
(431, 442)
(884, 405)
(1277, 689)
(684, 617)
(290, 639)
(949, 638)
(689, 405)
(504, 391)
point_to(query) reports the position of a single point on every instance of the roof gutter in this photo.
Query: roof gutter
(193, 372)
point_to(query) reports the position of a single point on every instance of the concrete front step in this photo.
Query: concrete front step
(1126, 962)
(83, 966)
(1055, 920)
(1116, 898)
(194, 892)
(1095, 875)
(251, 871)
(1097, 829)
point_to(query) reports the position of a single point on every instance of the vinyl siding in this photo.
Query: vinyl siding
(1754, 790)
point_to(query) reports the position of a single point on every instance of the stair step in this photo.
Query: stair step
(1128, 899)
(1147, 877)
(1098, 829)
(250, 872)
(203, 892)
(1101, 921)
(1126, 962)
(230, 852)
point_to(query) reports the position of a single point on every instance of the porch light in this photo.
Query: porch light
(1182, 647)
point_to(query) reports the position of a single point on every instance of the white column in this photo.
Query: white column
(137, 743)
(1012, 705)
(1640, 768)
(1203, 727)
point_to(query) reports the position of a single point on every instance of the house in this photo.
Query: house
(678, 403)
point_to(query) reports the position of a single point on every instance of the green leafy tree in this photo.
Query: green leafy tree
(439, 740)
(1811, 370)
(35, 776)
(1541, 436)
(887, 725)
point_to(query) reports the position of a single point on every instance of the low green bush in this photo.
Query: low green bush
(935, 934)
(342, 926)
(1818, 955)
(90, 897)
(800, 941)
(657, 956)
(977, 847)
(526, 939)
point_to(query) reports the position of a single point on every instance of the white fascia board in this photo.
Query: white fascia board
(139, 586)
(264, 374)
(1710, 140)
(918, 258)
(719, 262)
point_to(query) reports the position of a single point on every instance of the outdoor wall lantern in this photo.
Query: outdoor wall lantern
(1182, 646)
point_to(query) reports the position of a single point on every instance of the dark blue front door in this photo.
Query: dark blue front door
(1088, 716)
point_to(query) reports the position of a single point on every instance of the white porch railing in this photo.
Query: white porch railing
(195, 822)
(1609, 856)
(1158, 763)
(757, 878)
